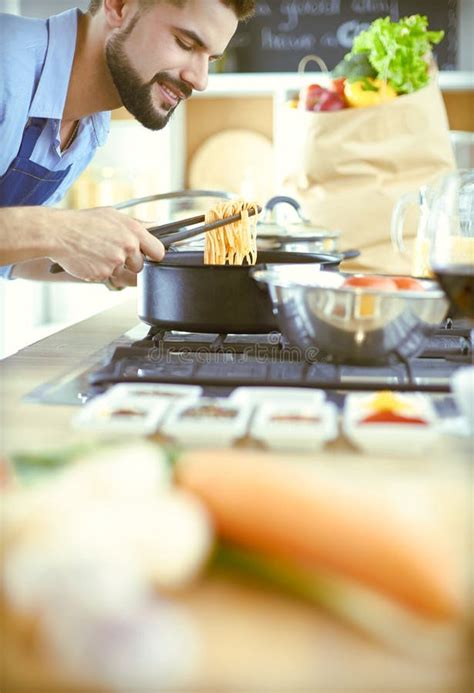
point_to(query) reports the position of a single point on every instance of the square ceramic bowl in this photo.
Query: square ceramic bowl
(122, 415)
(255, 395)
(207, 421)
(462, 386)
(152, 391)
(295, 425)
(415, 430)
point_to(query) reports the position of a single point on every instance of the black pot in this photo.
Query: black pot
(181, 293)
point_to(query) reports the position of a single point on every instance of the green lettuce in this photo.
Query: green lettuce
(354, 67)
(399, 51)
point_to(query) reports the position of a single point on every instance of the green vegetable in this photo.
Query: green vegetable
(399, 51)
(172, 452)
(368, 85)
(277, 573)
(355, 604)
(354, 67)
(31, 465)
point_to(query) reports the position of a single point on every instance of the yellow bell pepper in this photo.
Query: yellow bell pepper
(368, 92)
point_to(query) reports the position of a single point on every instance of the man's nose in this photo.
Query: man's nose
(197, 73)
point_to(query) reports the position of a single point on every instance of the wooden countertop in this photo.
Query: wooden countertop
(251, 640)
(30, 426)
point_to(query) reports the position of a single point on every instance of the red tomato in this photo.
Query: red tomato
(310, 95)
(408, 284)
(371, 281)
(329, 101)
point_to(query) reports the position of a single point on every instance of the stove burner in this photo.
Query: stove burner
(233, 360)
(452, 341)
(219, 363)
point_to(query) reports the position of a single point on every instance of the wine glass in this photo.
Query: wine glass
(451, 232)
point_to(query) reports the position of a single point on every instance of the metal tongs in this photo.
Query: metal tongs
(168, 233)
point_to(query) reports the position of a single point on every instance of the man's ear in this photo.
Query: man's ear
(116, 11)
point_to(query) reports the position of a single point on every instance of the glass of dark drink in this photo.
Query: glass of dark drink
(451, 229)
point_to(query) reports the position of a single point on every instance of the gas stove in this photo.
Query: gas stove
(220, 363)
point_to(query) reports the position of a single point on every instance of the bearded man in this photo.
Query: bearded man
(59, 80)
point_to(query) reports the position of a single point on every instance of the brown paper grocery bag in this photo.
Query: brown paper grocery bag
(348, 168)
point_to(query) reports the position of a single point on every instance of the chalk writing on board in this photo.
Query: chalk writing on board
(292, 11)
(284, 31)
(381, 7)
(346, 33)
(286, 42)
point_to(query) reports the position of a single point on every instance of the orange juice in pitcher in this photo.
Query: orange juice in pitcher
(420, 261)
(420, 254)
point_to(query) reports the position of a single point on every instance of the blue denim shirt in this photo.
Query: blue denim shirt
(36, 57)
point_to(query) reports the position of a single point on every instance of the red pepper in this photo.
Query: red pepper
(318, 98)
(388, 416)
(329, 101)
(311, 95)
(337, 85)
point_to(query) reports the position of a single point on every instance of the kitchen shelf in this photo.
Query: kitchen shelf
(270, 83)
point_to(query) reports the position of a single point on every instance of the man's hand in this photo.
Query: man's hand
(122, 277)
(91, 244)
(100, 243)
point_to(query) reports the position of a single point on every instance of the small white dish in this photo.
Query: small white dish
(393, 439)
(359, 405)
(455, 426)
(153, 391)
(126, 415)
(462, 386)
(295, 426)
(207, 421)
(397, 438)
(256, 395)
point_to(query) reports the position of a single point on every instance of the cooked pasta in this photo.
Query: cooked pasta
(235, 243)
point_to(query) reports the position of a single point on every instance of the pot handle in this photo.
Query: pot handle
(349, 254)
(278, 199)
(282, 198)
(263, 286)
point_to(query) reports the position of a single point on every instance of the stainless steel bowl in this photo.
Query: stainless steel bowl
(351, 325)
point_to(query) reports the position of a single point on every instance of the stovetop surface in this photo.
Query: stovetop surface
(219, 363)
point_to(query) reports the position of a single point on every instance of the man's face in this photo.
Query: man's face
(158, 57)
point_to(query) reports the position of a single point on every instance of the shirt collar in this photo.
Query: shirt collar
(101, 125)
(50, 96)
(51, 93)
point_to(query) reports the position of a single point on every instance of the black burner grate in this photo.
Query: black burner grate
(232, 360)
(193, 359)
(222, 362)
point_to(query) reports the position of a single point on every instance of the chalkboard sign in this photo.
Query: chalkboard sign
(282, 32)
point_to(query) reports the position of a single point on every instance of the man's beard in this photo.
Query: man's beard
(135, 95)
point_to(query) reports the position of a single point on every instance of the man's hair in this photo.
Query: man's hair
(242, 8)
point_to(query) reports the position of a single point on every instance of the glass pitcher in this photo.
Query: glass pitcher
(450, 226)
(423, 197)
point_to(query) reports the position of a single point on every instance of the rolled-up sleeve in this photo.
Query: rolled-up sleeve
(6, 271)
(36, 57)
